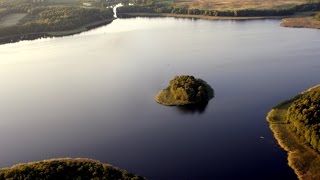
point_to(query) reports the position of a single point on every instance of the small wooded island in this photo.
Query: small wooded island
(296, 126)
(66, 168)
(184, 90)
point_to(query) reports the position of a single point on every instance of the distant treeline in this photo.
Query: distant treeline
(233, 13)
(135, 9)
(57, 18)
(303, 117)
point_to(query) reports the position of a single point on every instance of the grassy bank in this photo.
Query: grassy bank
(311, 20)
(66, 168)
(235, 5)
(223, 5)
(304, 160)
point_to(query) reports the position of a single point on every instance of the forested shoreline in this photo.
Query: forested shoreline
(304, 117)
(295, 124)
(226, 13)
(46, 19)
(50, 19)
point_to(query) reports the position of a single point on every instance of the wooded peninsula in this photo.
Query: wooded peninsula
(26, 19)
(296, 126)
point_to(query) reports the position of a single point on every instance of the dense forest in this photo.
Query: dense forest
(52, 15)
(62, 18)
(187, 88)
(66, 169)
(304, 117)
(57, 18)
(184, 90)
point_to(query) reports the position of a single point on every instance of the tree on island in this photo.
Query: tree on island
(185, 90)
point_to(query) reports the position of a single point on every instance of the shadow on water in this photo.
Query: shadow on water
(193, 108)
(199, 108)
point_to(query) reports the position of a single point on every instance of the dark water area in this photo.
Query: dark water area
(92, 95)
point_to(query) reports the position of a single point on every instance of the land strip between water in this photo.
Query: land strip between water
(35, 35)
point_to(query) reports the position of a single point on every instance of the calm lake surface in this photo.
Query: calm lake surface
(91, 95)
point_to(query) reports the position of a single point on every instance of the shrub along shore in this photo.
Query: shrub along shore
(295, 124)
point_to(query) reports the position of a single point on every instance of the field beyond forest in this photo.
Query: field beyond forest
(236, 5)
(25, 19)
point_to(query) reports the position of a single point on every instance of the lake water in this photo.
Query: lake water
(91, 95)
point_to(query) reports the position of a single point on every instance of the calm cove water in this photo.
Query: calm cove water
(91, 95)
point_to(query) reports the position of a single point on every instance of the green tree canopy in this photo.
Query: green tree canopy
(184, 90)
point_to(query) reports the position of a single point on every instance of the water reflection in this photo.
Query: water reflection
(198, 107)
(193, 108)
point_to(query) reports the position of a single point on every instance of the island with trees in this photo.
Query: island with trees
(185, 90)
(295, 124)
(66, 168)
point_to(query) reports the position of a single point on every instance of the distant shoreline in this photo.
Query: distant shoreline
(36, 35)
(133, 15)
(290, 21)
(301, 158)
(301, 22)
